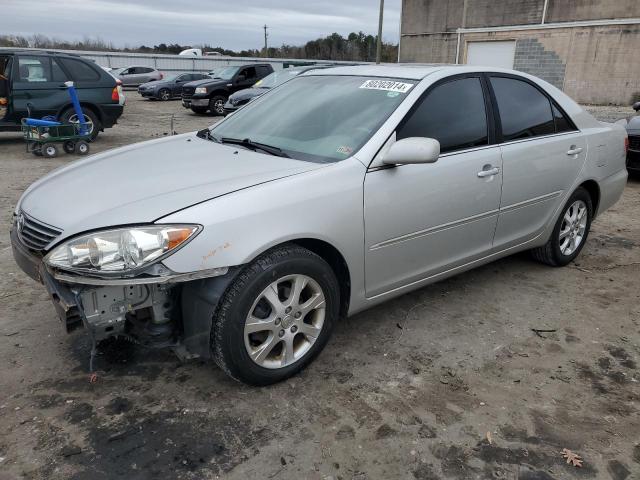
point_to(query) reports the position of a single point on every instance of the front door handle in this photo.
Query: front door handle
(488, 171)
(574, 150)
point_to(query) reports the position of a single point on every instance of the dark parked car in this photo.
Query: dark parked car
(633, 130)
(212, 94)
(32, 82)
(242, 97)
(170, 87)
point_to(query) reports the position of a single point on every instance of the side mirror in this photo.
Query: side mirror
(636, 106)
(412, 150)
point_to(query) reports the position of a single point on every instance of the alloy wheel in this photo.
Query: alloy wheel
(74, 119)
(573, 228)
(284, 321)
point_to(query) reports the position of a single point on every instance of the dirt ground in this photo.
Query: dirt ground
(447, 382)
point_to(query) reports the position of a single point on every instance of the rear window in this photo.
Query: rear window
(524, 111)
(79, 70)
(34, 69)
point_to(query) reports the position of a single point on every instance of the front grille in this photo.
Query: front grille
(35, 234)
(634, 143)
(187, 92)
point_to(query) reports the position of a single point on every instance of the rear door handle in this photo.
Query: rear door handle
(488, 171)
(574, 150)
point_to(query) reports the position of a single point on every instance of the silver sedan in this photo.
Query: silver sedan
(248, 241)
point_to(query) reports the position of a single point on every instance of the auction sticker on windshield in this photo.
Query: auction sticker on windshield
(387, 85)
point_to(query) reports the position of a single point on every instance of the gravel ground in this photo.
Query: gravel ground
(447, 382)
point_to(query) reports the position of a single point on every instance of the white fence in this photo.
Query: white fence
(182, 63)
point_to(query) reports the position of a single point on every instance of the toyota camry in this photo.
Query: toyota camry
(248, 241)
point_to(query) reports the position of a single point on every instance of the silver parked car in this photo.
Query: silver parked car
(136, 75)
(334, 192)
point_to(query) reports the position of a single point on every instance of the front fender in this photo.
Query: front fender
(323, 204)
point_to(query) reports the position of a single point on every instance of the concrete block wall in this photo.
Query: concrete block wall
(532, 57)
(591, 64)
(492, 13)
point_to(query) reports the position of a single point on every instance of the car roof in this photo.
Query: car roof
(409, 71)
(32, 51)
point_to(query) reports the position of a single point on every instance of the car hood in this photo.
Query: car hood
(157, 83)
(248, 93)
(207, 82)
(143, 182)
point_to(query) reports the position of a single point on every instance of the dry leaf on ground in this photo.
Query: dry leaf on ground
(571, 457)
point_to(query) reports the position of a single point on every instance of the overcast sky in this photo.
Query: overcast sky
(233, 24)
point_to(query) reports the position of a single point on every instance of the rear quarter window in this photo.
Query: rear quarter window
(79, 70)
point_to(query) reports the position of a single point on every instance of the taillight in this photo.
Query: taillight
(115, 96)
(626, 144)
(161, 76)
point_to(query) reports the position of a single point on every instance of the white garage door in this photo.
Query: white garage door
(491, 54)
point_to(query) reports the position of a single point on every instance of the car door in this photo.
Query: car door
(176, 88)
(422, 219)
(37, 87)
(128, 76)
(245, 78)
(542, 154)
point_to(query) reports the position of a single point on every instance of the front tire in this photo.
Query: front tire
(216, 104)
(164, 94)
(570, 232)
(276, 316)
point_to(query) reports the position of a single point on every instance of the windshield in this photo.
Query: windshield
(277, 78)
(226, 73)
(317, 118)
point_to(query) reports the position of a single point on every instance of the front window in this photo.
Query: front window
(317, 118)
(226, 73)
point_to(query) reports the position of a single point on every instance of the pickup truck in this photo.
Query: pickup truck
(212, 94)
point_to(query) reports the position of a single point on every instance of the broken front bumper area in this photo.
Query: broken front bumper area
(159, 309)
(140, 309)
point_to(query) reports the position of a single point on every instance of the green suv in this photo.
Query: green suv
(32, 85)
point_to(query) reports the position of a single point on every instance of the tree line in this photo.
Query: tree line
(357, 47)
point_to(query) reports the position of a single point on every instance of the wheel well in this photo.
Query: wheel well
(222, 93)
(591, 186)
(337, 263)
(96, 111)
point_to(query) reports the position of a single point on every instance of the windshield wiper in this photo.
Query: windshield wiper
(206, 134)
(248, 143)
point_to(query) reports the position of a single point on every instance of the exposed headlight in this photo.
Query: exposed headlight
(201, 90)
(120, 249)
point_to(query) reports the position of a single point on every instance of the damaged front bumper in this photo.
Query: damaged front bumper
(145, 309)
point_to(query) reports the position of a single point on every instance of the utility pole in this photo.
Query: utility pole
(379, 48)
(265, 39)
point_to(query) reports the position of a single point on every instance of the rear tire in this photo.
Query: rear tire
(259, 356)
(69, 116)
(570, 232)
